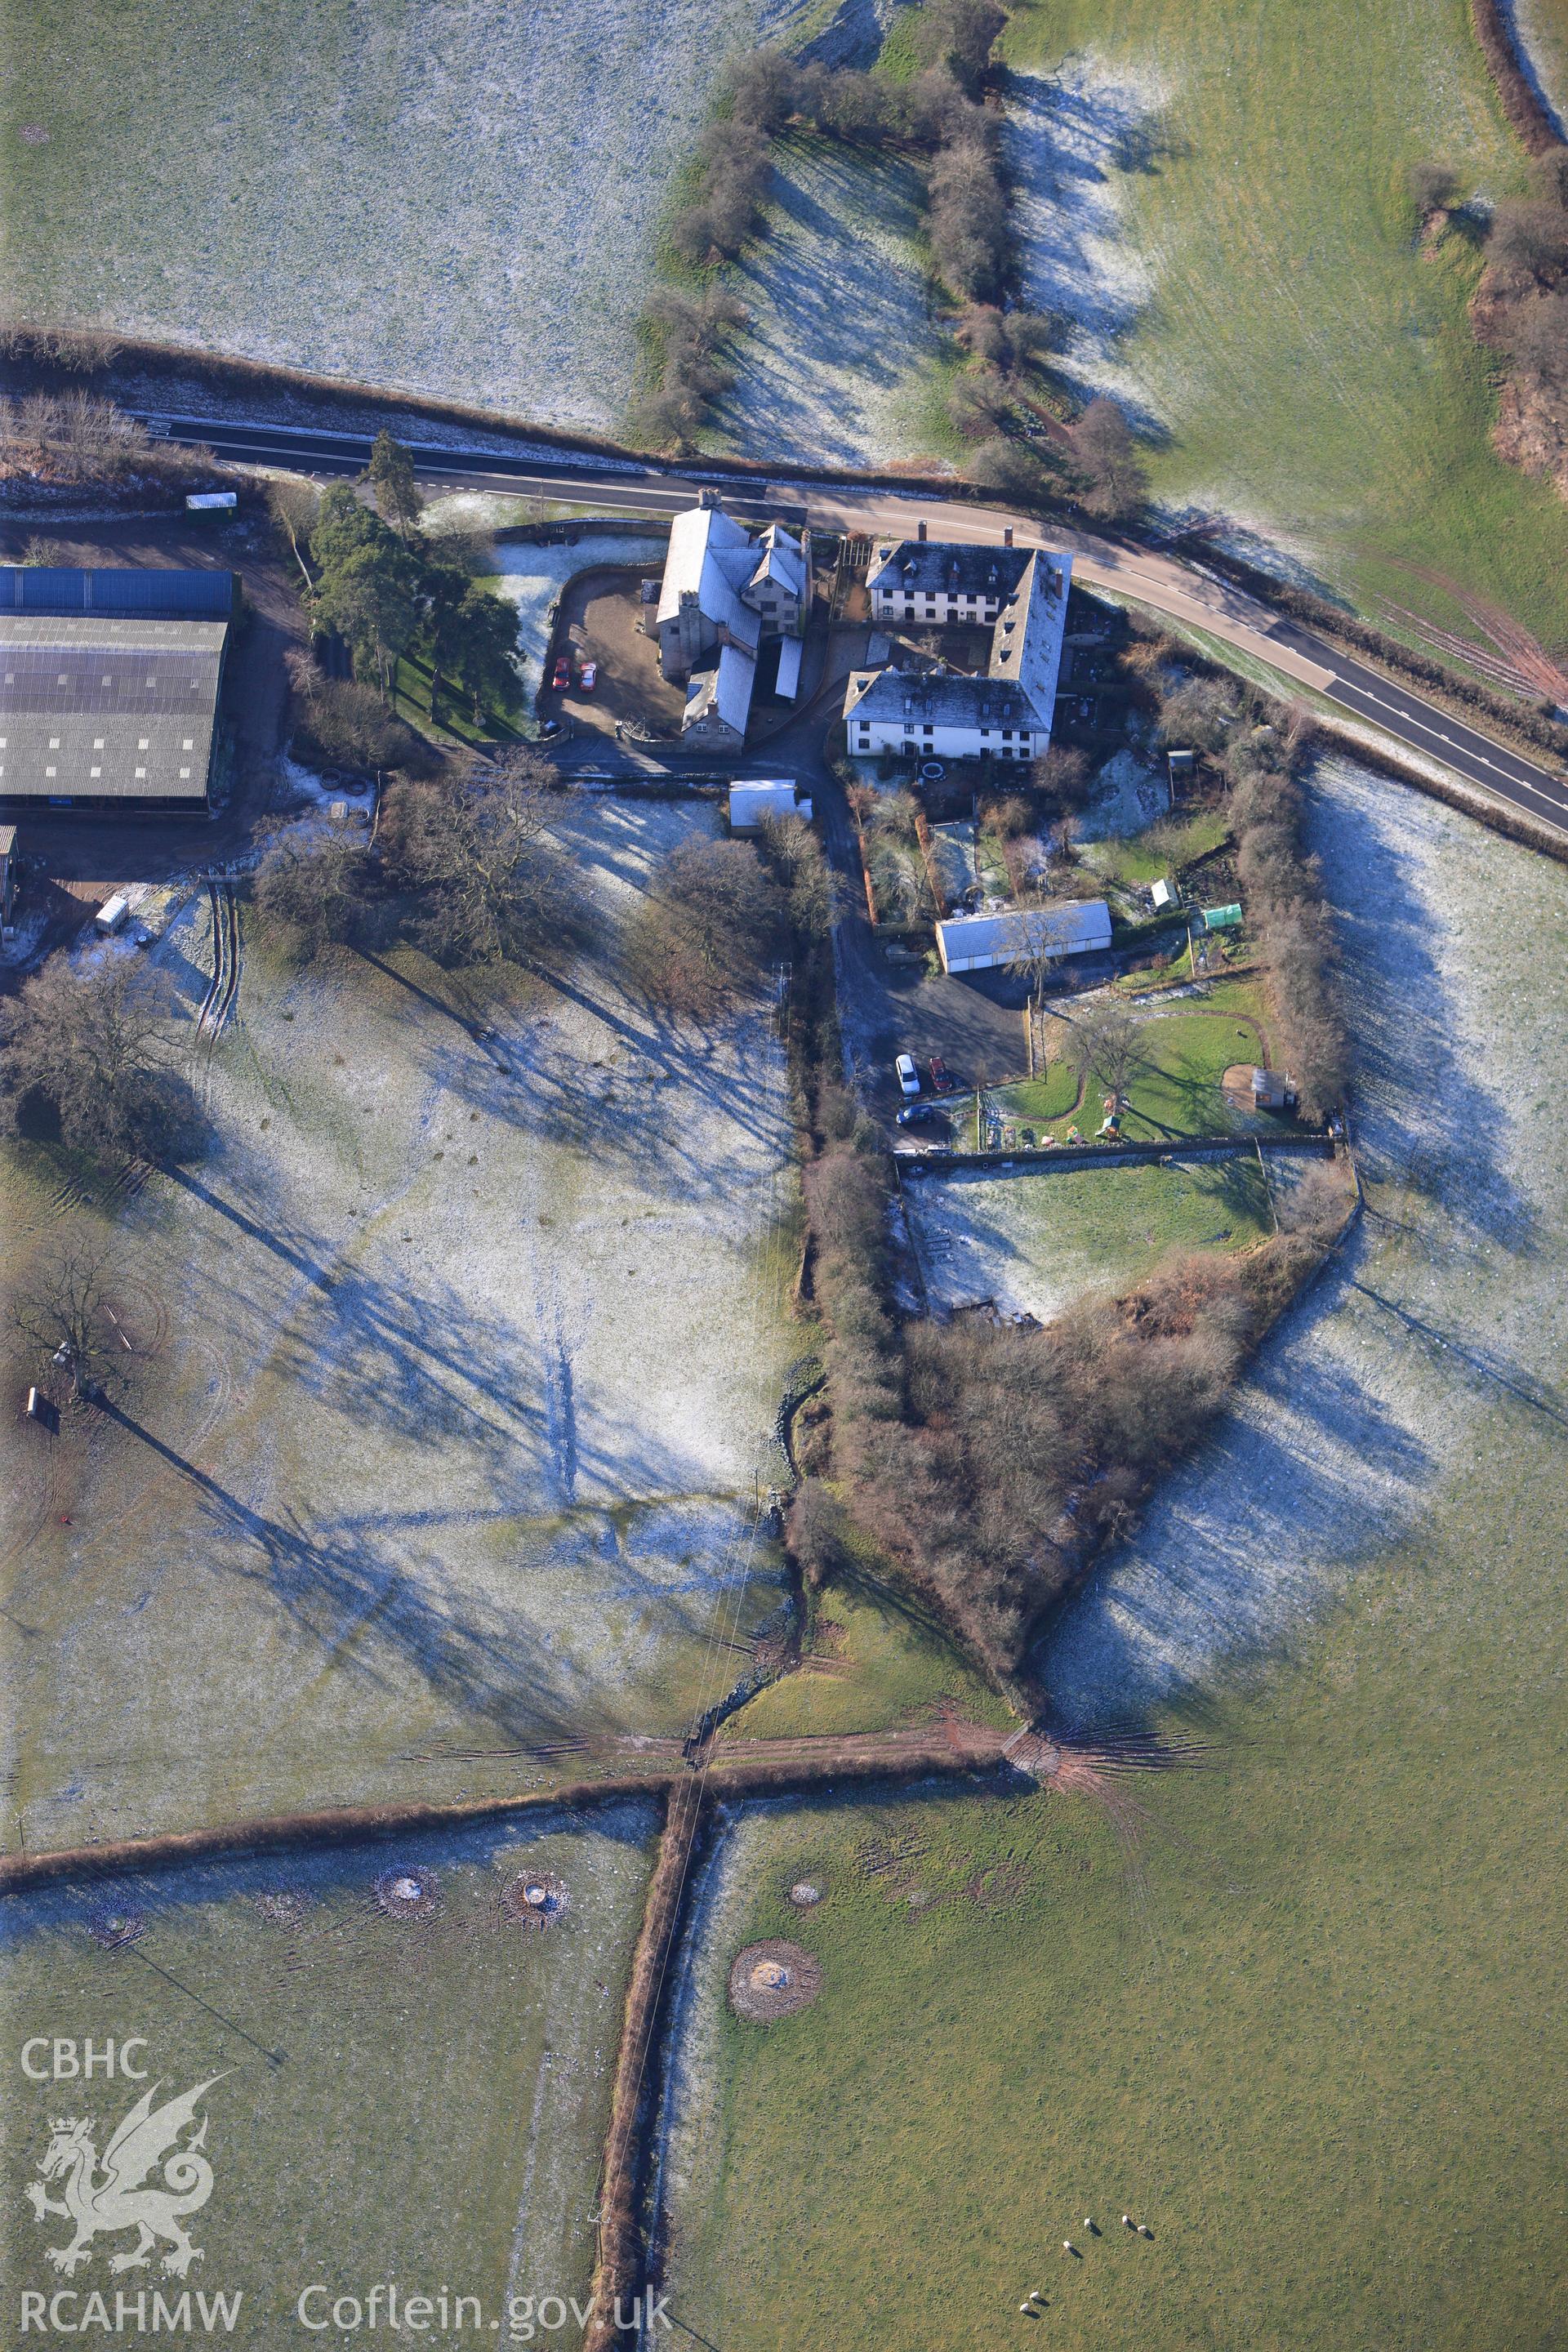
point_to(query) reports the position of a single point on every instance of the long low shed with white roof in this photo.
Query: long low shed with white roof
(981, 942)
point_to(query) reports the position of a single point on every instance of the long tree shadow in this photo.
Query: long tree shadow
(348, 1600)
(1423, 1118)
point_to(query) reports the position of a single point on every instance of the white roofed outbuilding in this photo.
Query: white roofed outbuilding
(1063, 926)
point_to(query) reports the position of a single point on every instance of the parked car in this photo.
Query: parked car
(923, 1115)
(941, 1081)
(588, 676)
(562, 678)
(908, 1077)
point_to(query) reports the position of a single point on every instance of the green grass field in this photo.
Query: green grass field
(1300, 2015)
(1313, 369)
(419, 2099)
(1036, 1243)
(873, 1662)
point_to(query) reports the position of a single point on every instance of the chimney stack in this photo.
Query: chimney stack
(923, 530)
(1008, 536)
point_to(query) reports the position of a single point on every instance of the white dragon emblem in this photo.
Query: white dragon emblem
(109, 2197)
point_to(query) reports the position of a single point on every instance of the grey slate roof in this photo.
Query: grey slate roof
(933, 567)
(937, 698)
(712, 558)
(135, 699)
(727, 688)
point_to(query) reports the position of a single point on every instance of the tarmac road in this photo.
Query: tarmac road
(1163, 583)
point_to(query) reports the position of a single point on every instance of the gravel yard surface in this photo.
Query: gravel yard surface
(460, 199)
(533, 578)
(467, 1357)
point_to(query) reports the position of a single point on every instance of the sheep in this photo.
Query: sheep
(1068, 2248)
(1128, 2222)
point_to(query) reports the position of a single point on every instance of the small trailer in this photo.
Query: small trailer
(110, 915)
(212, 502)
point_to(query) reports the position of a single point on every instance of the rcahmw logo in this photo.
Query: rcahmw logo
(153, 2174)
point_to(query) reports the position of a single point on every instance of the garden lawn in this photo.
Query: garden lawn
(1160, 852)
(1184, 1047)
(1218, 196)
(1034, 1244)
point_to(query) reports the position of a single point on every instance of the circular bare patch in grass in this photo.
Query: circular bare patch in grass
(409, 1894)
(534, 1898)
(283, 1906)
(111, 1928)
(773, 1979)
(805, 1893)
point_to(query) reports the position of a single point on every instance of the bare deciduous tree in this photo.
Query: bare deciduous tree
(493, 884)
(313, 890)
(706, 927)
(62, 1319)
(1105, 1046)
(1042, 935)
(101, 1045)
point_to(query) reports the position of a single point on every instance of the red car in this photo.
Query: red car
(588, 677)
(940, 1082)
(562, 681)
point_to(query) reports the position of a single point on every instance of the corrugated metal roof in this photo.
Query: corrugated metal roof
(1066, 926)
(150, 589)
(107, 709)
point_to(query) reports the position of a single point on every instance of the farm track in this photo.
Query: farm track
(224, 988)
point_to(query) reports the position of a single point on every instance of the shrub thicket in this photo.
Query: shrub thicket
(989, 1462)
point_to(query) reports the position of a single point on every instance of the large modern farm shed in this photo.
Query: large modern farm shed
(108, 687)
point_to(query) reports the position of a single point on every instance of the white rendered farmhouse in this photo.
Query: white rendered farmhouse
(1005, 710)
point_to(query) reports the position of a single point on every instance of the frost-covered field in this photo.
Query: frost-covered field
(1071, 138)
(470, 1357)
(440, 2091)
(842, 361)
(459, 199)
(1451, 1313)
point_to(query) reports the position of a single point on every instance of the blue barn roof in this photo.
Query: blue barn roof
(152, 591)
